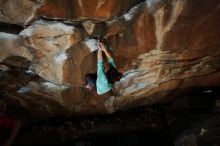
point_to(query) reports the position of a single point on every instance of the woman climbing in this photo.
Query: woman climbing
(103, 81)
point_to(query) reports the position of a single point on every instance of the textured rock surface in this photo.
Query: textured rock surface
(164, 48)
(28, 10)
(81, 9)
(18, 12)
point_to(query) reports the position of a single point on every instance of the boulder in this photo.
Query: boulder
(164, 49)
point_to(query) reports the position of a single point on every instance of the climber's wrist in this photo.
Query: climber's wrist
(104, 50)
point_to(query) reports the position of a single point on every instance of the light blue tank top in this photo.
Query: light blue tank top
(102, 84)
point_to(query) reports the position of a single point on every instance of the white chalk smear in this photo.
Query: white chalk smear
(60, 57)
(61, 26)
(91, 44)
(130, 14)
(7, 36)
(57, 26)
(27, 32)
(152, 3)
(30, 71)
(52, 86)
(24, 90)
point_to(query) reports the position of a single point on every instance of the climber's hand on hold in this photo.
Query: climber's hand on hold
(101, 46)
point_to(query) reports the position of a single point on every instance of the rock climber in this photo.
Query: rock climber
(103, 81)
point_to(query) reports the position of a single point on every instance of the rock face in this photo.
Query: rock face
(18, 12)
(28, 10)
(165, 48)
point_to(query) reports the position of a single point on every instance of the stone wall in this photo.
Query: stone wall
(164, 48)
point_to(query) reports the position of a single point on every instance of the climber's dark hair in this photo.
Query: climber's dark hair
(113, 75)
(90, 81)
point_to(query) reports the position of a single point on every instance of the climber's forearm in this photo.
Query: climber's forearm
(108, 55)
(99, 56)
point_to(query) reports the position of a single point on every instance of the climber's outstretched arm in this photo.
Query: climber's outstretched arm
(109, 57)
(103, 48)
(107, 54)
(99, 56)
